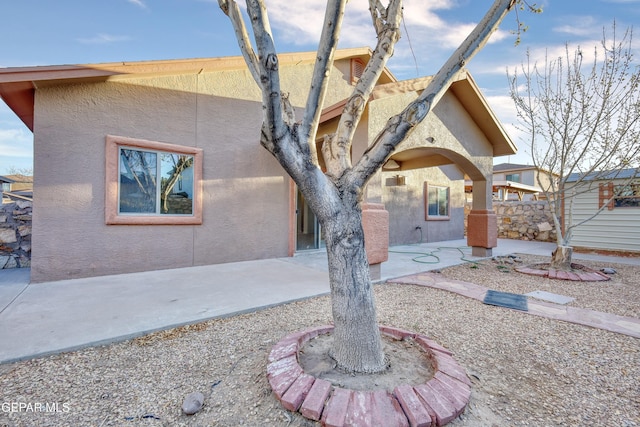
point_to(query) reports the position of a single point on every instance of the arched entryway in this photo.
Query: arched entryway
(422, 188)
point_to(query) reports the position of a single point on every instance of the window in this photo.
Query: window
(627, 196)
(624, 196)
(436, 202)
(513, 177)
(152, 182)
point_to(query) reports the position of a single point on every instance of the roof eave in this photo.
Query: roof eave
(18, 84)
(19, 97)
(467, 92)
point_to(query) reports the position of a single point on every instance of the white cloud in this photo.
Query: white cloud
(16, 143)
(104, 38)
(506, 112)
(297, 22)
(138, 3)
(503, 107)
(579, 26)
(300, 22)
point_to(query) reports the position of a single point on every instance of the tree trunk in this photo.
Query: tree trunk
(561, 258)
(357, 345)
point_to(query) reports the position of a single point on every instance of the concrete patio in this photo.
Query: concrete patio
(46, 318)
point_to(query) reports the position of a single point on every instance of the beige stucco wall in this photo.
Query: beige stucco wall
(245, 196)
(455, 135)
(406, 205)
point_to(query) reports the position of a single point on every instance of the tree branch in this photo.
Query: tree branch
(231, 9)
(274, 129)
(337, 148)
(399, 127)
(320, 78)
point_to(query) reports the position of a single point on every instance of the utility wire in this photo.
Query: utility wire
(406, 31)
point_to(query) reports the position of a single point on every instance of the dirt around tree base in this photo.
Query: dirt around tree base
(408, 363)
(435, 393)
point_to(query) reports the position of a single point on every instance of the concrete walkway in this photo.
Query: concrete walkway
(45, 318)
(580, 316)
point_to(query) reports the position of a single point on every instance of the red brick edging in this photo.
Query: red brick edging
(440, 400)
(584, 275)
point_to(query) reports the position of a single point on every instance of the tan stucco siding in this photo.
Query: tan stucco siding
(70, 235)
(457, 137)
(453, 131)
(295, 81)
(406, 205)
(245, 212)
(70, 238)
(245, 191)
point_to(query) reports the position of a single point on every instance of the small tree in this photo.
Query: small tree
(582, 120)
(335, 195)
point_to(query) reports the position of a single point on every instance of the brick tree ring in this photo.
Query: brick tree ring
(579, 273)
(435, 403)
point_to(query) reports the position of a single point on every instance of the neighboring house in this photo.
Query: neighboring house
(517, 182)
(19, 186)
(520, 182)
(156, 165)
(617, 227)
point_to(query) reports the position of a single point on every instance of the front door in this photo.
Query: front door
(308, 230)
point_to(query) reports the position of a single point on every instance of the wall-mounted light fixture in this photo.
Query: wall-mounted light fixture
(401, 180)
(391, 164)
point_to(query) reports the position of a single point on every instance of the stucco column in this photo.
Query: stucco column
(482, 223)
(375, 221)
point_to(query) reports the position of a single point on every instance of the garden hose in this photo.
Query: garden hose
(432, 254)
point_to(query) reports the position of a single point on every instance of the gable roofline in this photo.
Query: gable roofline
(508, 167)
(18, 84)
(465, 89)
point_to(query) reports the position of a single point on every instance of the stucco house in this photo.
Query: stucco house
(617, 227)
(156, 165)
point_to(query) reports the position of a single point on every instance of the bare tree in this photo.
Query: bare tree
(180, 164)
(335, 195)
(582, 120)
(13, 170)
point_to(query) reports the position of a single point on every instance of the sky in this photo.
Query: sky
(42, 32)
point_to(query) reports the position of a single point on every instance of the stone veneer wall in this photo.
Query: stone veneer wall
(517, 220)
(15, 234)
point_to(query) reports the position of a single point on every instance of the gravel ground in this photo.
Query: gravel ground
(526, 370)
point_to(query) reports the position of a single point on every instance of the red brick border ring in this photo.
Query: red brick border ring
(580, 274)
(440, 400)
